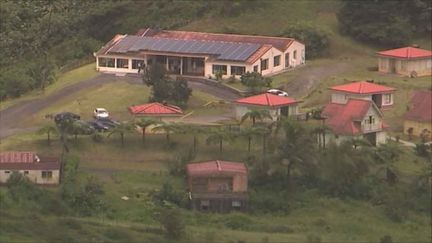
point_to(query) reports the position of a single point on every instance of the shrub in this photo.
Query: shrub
(237, 222)
(386, 239)
(315, 39)
(167, 195)
(232, 79)
(218, 75)
(311, 238)
(173, 223)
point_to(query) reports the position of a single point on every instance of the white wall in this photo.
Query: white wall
(33, 175)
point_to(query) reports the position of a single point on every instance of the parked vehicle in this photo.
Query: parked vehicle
(108, 122)
(101, 113)
(278, 92)
(98, 126)
(66, 115)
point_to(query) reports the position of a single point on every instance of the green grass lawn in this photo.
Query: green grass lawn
(75, 76)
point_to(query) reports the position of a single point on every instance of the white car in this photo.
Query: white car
(277, 92)
(101, 113)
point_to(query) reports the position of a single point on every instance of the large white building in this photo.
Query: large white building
(200, 54)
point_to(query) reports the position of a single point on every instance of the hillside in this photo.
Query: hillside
(138, 171)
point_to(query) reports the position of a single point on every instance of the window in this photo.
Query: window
(238, 70)
(122, 63)
(371, 120)
(276, 61)
(26, 172)
(387, 99)
(295, 54)
(7, 171)
(219, 68)
(136, 64)
(264, 64)
(255, 68)
(106, 62)
(47, 174)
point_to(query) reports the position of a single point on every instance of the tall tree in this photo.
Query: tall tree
(49, 130)
(296, 149)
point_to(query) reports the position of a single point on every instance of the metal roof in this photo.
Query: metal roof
(222, 50)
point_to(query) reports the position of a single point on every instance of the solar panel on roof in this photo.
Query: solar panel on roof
(223, 50)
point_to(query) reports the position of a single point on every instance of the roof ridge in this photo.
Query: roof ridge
(248, 35)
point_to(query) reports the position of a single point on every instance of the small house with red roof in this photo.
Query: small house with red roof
(355, 119)
(381, 95)
(40, 170)
(407, 61)
(200, 54)
(276, 105)
(155, 110)
(418, 119)
(217, 185)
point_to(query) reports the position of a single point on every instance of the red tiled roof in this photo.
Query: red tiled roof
(407, 53)
(363, 87)
(27, 161)
(17, 157)
(346, 118)
(266, 99)
(261, 51)
(280, 43)
(215, 167)
(421, 107)
(155, 109)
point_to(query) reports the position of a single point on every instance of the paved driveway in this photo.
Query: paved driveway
(11, 117)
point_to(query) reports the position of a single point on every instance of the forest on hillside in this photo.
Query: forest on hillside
(39, 39)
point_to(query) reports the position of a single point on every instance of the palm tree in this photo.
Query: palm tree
(296, 148)
(121, 129)
(255, 114)
(48, 129)
(250, 132)
(144, 123)
(217, 136)
(168, 128)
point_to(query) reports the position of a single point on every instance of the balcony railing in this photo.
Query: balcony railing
(371, 127)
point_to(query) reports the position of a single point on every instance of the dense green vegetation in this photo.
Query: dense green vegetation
(387, 23)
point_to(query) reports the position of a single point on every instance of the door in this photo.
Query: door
(284, 111)
(392, 66)
(287, 60)
(377, 99)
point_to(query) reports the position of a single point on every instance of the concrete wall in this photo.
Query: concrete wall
(33, 175)
(342, 98)
(418, 127)
(377, 126)
(423, 67)
(241, 110)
